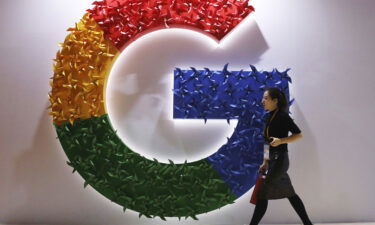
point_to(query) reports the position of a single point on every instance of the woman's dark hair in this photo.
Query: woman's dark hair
(282, 102)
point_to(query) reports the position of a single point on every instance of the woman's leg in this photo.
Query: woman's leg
(259, 211)
(300, 209)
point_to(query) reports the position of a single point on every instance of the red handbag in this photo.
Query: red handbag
(253, 199)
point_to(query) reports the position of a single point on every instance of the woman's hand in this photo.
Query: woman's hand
(275, 142)
(263, 167)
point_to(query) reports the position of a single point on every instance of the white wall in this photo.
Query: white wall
(328, 44)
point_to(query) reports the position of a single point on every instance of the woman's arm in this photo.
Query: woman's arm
(280, 141)
(287, 123)
(291, 138)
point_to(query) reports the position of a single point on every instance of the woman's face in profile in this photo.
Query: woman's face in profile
(269, 103)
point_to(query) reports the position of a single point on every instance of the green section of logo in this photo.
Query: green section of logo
(132, 181)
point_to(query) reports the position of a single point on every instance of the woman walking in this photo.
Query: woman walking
(277, 183)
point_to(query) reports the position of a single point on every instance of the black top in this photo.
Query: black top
(280, 127)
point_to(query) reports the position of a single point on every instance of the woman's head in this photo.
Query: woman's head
(273, 98)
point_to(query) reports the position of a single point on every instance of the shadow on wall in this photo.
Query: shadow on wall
(305, 168)
(43, 180)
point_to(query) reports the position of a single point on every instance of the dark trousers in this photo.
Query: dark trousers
(295, 201)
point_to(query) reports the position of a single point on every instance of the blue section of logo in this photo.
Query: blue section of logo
(206, 94)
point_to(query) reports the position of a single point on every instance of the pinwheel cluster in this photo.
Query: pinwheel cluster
(105, 162)
(181, 190)
(88, 52)
(81, 68)
(245, 147)
(206, 94)
(124, 20)
(125, 177)
(222, 94)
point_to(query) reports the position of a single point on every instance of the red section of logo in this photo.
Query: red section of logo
(124, 20)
